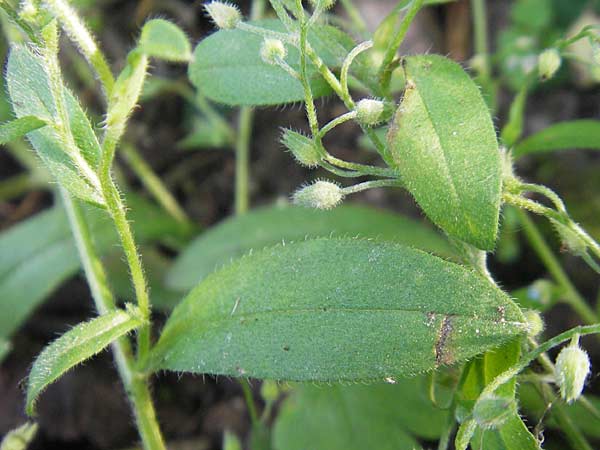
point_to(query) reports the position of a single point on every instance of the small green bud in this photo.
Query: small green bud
(369, 111)
(269, 391)
(548, 63)
(303, 148)
(321, 195)
(231, 441)
(272, 50)
(535, 324)
(324, 4)
(225, 15)
(572, 368)
(19, 438)
(492, 411)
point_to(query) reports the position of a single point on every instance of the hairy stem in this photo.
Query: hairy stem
(135, 386)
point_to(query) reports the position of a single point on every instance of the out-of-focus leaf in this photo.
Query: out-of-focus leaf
(335, 309)
(19, 438)
(381, 416)
(540, 295)
(165, 40)
(271, 225)
(17, 128)
(583, 134)
(74, 347)
(39, 254)
(4, 349)
(30, 95)
(227, 66)
(444, 144)
(205, 135)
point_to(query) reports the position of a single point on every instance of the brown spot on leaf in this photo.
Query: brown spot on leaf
(443, 355)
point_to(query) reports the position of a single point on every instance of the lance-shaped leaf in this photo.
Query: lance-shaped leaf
(272, 225)
(30, 95)
(335, 309)
(17, 128)
(444, 144)
(227, 66)
(584, 134)
(74, 347)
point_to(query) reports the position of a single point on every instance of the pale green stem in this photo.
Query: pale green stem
(335, 122)
(370, 185)
(80, 35)
(354, 16)
(154, 184)
(247, 390)
(541, 247)
(385, 70)
(480, 31)
(348, 62)
(135, 386)
(242, 160)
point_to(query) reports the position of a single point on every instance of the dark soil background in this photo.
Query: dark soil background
(86, 409)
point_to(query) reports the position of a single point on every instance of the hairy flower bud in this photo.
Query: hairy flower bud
(535, 324)
(492, 411)
(272, 50)
(369, 111)
(572, 368)
(321, 195)
(548, 63)
(303, 148)
(225, 15)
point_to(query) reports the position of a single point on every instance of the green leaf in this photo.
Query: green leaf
(165, 40)
(271, 225)
(227, 67)
(17, 128)
(513, 434)
(583, 134)
(39, 254)
(342, 418)
(358, 417)
(30, 95)
(128, 88)
(445, 146)
(75, 346)
(335, 309)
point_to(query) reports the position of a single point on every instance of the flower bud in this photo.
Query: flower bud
(369, 111)
(535, 324)
(548, 63)
(225, 15)
(269, 391)
(272, 50)
(570, 239)
(304, 149)
(492, 411)
(572, 368)
(321, 195)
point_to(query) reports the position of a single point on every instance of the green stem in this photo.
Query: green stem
(136, 386)
(242, 160)
(370, 185)
(154, 184)
(250, 402)
(354, 15)
(385, 74)
(481, 37)
(541, 247)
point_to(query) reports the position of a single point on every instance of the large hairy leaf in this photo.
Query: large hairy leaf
(584, 134)
(381, 416)
(74, 347)
(335, 309)
(17, 128)
(272, 225)
(444, 144)
(39, 254)
(30, 95)
(227, 66)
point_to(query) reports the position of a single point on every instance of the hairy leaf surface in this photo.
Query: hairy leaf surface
(227, 66)
(335, 309)
(582, 134)
(165, 40)
(74, 347)
(443, 141)
(272, 225)
(381, 416)
(17, 128)
(30, 95)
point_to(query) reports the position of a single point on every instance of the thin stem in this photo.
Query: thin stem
(390, 53)
(242, 160)
(348, 61)
(154, 184)
(541, 247)
(335, 122)
(250, 402)
(481, 36)
(354, 15)
(370, 185)
(363, 169)
(135, 386)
